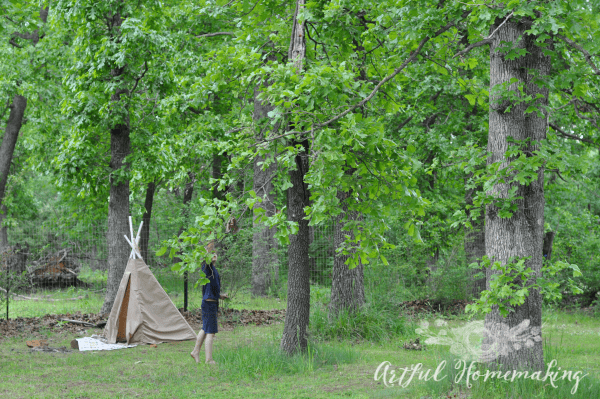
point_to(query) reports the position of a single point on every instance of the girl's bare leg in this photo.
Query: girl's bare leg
(196, 352)
(209, 348)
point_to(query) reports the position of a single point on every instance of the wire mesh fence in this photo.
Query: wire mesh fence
(59, 268)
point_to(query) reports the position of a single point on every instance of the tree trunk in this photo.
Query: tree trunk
(547, 246)
(118, 205)
(298, 303)
(237, 187)
(118, 215)
(3, 229)
(264, 260)
(188, 192)
(521, 234)
(431, 262)
(145, 234)
(475, 250)
(13, 126)
(313, 260)
(15, 118)
(347, 286)
(216, 174)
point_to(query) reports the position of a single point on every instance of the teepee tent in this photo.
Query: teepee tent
(142, 311)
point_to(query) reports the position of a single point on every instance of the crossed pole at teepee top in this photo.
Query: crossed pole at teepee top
(135, 250)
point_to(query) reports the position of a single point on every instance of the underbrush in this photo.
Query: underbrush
(369, 323)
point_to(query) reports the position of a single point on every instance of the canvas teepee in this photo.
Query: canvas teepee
(143, 312)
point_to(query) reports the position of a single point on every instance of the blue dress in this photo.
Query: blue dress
(211, 290)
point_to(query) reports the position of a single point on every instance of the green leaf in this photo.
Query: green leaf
(472, 98)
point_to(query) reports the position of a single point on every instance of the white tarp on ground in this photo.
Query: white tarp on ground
(93, 344)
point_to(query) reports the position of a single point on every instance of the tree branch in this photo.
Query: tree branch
(591, 120)
(389, 77)
(26, 36)
(194, 110)
(216, 34)
(412, 56)
(141, 77)
(404, 123)
(484, 42)
(586, 54)
(12, 41)
(487, 40)
(568, 135)
(499, 26)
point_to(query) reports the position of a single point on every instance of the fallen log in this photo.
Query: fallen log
(28, 298)
(85, 323)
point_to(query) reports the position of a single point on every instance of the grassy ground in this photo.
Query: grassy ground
(251, 366)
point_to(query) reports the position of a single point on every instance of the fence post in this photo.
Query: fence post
(185, 291)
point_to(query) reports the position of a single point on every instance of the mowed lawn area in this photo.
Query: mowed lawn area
(250, 366)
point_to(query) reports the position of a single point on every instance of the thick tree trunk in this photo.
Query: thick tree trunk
(15, 118)
(118, 205)
(347, 286)
(520, 235)
(264, 259)
(146, 218)
(298, 302)
(118, 215)
(475, 250)
(13, 126)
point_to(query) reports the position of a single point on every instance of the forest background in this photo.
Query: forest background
(427, 134)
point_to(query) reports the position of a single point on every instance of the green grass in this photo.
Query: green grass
(244, 300)
(55, 302)
(251, 366)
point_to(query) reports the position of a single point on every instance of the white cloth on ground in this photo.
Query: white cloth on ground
(94, 344)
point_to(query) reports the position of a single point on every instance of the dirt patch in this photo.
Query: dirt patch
(41, 326)
(229, 318)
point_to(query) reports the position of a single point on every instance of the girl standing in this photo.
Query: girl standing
(211, 293)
